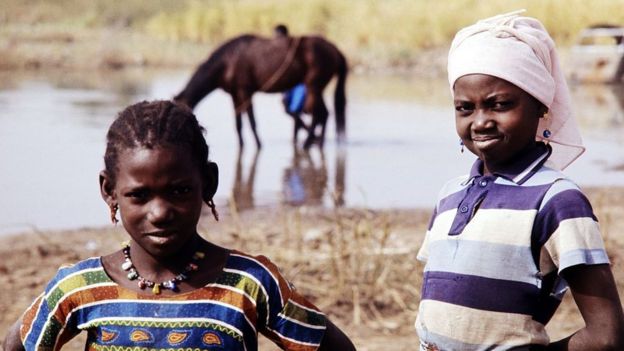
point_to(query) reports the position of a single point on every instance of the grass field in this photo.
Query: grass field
(389, 33)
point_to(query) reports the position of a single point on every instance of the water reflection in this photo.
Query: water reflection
(243, 188)
(304, 180)
(401, 146)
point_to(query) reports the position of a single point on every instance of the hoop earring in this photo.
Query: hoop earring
(461, 143)
(213, 208)
(113, 213)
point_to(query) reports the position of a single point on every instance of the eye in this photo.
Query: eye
(502, 105)
(464, 108)
(181, 190)
(137, 195)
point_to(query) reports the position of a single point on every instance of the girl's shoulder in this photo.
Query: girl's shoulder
(90, 263)
(87, 271)
(548, 176)
(255, 265)
(454, 185)
(259, 269)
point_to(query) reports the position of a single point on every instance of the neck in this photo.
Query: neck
(492, 167)
(202, 83)
(160, 268)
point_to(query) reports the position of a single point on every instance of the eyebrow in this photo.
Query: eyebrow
(494, 95)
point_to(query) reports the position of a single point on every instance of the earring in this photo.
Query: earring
(461, 143)
(547, 133)
(113, 213)
(213, 208)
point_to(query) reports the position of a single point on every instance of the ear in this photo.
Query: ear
(106, 188)
(211, 181)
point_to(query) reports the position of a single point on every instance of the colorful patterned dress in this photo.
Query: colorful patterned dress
(249, 296)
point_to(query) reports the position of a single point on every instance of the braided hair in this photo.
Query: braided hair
(150, 124)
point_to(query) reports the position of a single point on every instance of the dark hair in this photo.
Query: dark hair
(149, 124)
(281, 29)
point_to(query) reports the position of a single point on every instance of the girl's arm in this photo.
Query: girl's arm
(13, 342)
(335, 340)
(596, 296)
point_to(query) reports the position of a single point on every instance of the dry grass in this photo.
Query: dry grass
(358, 265)
(373, 34)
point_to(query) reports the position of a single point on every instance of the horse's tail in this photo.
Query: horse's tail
(340, 99)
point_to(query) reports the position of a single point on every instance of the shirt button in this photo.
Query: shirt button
(483, 183)
(463, 209)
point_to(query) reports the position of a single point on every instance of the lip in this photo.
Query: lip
(161, 237)
(485, 141)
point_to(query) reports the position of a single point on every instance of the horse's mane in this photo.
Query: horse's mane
(227, 47)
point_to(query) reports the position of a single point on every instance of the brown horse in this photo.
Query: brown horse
(248, 63)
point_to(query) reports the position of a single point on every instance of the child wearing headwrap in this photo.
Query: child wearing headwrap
(510, 238)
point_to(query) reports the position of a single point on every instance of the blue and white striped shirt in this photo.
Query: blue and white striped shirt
(494, 251)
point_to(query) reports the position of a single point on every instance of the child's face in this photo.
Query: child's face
(159, 192)
(495, 119)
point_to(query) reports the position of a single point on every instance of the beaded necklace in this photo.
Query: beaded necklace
(171, 284)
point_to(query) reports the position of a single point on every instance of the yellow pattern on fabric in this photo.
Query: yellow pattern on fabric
(170, 325)
(72, 283)
(139, 348)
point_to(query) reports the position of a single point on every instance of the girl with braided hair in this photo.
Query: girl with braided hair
(168, 288)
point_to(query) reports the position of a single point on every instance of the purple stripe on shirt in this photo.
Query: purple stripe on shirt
(450, 202)
(432, 218)
(514, 197)
(485, 194)
(481, 293)
(567, 204)
(506, 196)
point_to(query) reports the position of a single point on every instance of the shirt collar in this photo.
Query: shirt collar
(522, 169)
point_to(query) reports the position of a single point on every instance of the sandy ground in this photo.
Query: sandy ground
(357, 265)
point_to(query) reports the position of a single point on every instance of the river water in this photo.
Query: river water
(401, 145)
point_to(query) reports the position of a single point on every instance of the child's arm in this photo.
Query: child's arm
(13, 342)
(335, 339)
(596, 296)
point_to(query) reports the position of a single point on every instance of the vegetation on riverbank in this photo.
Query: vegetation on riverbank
(73, 33)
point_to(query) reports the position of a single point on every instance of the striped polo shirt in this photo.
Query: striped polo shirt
(494, 250)
(249, 297)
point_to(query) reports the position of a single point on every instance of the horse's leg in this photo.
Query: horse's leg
(298, 125)
(239, 129)
(296, 128)
(323, 116)
(252, 123)
(239, 121)
(309, 107)
(319, 117)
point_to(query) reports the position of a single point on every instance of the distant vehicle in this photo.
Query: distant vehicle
(598, 55)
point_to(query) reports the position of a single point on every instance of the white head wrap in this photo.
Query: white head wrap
(520, 51)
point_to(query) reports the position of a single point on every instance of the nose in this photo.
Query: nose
(160, 211)
(482, 120)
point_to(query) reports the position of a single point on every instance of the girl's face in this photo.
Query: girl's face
(159, 192)
(495, 119)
